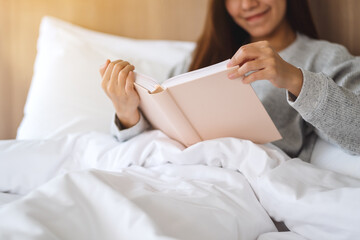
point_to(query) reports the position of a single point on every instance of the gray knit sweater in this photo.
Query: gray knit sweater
(327, 106)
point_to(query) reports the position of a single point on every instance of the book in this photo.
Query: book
(205, 104)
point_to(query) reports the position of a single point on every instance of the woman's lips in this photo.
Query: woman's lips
(257, 16)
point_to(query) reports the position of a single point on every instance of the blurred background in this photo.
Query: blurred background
(336, 21)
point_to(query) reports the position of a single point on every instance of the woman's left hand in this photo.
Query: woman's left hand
(264, 63)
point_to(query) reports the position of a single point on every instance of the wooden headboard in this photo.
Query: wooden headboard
(148, 19)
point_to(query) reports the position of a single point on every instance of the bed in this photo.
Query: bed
(66, 177)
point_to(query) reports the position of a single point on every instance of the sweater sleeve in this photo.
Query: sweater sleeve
(330, 101)
(125, 134)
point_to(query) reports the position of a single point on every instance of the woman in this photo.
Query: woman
(311, 87)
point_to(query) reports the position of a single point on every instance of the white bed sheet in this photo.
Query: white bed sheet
(151, 185)
(8, 197)
(151, 199)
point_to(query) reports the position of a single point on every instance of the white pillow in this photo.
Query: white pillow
(65, 94)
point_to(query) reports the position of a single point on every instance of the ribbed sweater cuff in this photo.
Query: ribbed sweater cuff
(312, 96)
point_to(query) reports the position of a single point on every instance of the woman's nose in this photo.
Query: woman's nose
(249, 4)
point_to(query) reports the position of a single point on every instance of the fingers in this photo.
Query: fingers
(129, 87)
(245, 53)
(108, 72)
(103, 67)
(250, 52)
(259, 58)
(259, 75)
(117, 69)
(123, 76)
(115, 77)
(259, 61)
(118, 84)
(248, 68)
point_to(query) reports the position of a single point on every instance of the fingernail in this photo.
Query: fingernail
(231, 76)
(107, 60)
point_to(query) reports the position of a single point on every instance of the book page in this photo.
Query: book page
(152, 85)
(193, 75)
(146, 82)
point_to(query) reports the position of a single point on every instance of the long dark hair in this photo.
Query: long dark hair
(222, 37)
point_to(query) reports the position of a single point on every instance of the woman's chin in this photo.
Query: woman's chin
(260, 34)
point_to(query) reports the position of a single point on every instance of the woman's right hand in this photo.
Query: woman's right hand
(118, 84)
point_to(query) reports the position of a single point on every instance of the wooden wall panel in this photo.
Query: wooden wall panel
(5, 74)
(338, 21)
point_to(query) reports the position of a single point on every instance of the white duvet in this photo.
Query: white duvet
(89, 186)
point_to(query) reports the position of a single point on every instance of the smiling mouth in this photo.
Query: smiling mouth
(257, 16)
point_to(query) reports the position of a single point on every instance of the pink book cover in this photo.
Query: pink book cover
(163, 113)
(205, 104)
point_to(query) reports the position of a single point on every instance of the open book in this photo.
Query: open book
(204, 104)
